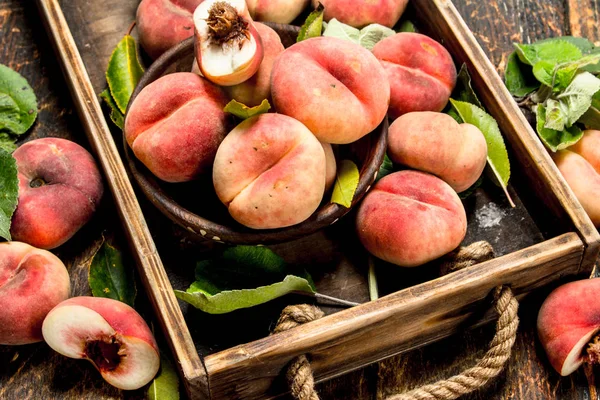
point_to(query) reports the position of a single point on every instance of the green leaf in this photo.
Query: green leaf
(518, 77)
(313, 26)
(407, 26)
(7, 142)
(108, 276)
(555, 140)
(463, 91)
(591, 118)
(124, 72)
(582, 44)
(242, 111)
(18, 104)
(9, 192)
(241, 277)
(568, 106)
(346, 182)
(367, 37)
(556, 51)
(497, 158)
(116, 115)
(560, 76)
(165, 386)
(387, 167)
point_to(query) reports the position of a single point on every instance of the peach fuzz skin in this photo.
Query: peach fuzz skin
(410, 218)
(175, 126)
(421, 72)
(32, 282)
(436, 143)
(583, 180)
(256, 172)
(567, 321)
(164, 23)
(60, 188)
(278, 11)
(336, 88)
(359, 13)
(107, 332)
(253, 91)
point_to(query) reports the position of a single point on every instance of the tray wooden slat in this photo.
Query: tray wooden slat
(149, 264)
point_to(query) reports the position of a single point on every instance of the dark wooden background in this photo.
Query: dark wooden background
(36, 372)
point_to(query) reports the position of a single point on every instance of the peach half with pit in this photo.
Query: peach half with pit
(228, 48)
(32, 282)
(108, 333)
(336, 88)
(270, 172)
(60, 188)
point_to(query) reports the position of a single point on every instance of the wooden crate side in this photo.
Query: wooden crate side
(396, 323)
(150, 267)
(445, 22)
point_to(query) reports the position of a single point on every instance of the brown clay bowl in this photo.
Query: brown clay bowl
(194, 205)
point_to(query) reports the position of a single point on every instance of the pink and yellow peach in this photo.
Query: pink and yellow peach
(359, 13)
(410, 218)
(164, 23)
(421, 72)
(32, 282)
(175, 126)
(436, 143)
(278, 11)
(256, 175)
(60, 188)
(336, 88)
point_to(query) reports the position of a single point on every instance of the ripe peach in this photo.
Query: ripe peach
(436, 143)
(164, 23)
(410, 218)
(567, 323)
(421, 72)
(254, 90)
(60, 188)
(256, 172)
(588, 147)
(108, 333)
(279, 11)
(175, 126)
(336, 88)
(228, 47)
(582, 178)
(359, 13)
(32, 282)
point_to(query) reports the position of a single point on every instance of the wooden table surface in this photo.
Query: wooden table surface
(36, 372)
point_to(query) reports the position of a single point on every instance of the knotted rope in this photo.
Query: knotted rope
(299, 373)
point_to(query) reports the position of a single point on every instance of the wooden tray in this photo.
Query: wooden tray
(355, 337)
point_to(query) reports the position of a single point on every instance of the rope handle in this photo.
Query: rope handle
(299, 374)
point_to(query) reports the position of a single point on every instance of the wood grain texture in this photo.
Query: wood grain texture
(583, 19)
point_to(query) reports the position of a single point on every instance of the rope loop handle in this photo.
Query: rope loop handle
(299, 373)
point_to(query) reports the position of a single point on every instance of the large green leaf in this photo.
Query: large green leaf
(518, 77)
(7, 142)
(568, 106)
(109, 277)
(556, 51)
(124, 72)
(242, 277)
(313, 26)
(9, 191)
(346, 182)
(165, 386)
(497, 158)
(18, 104)
(555, 140)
